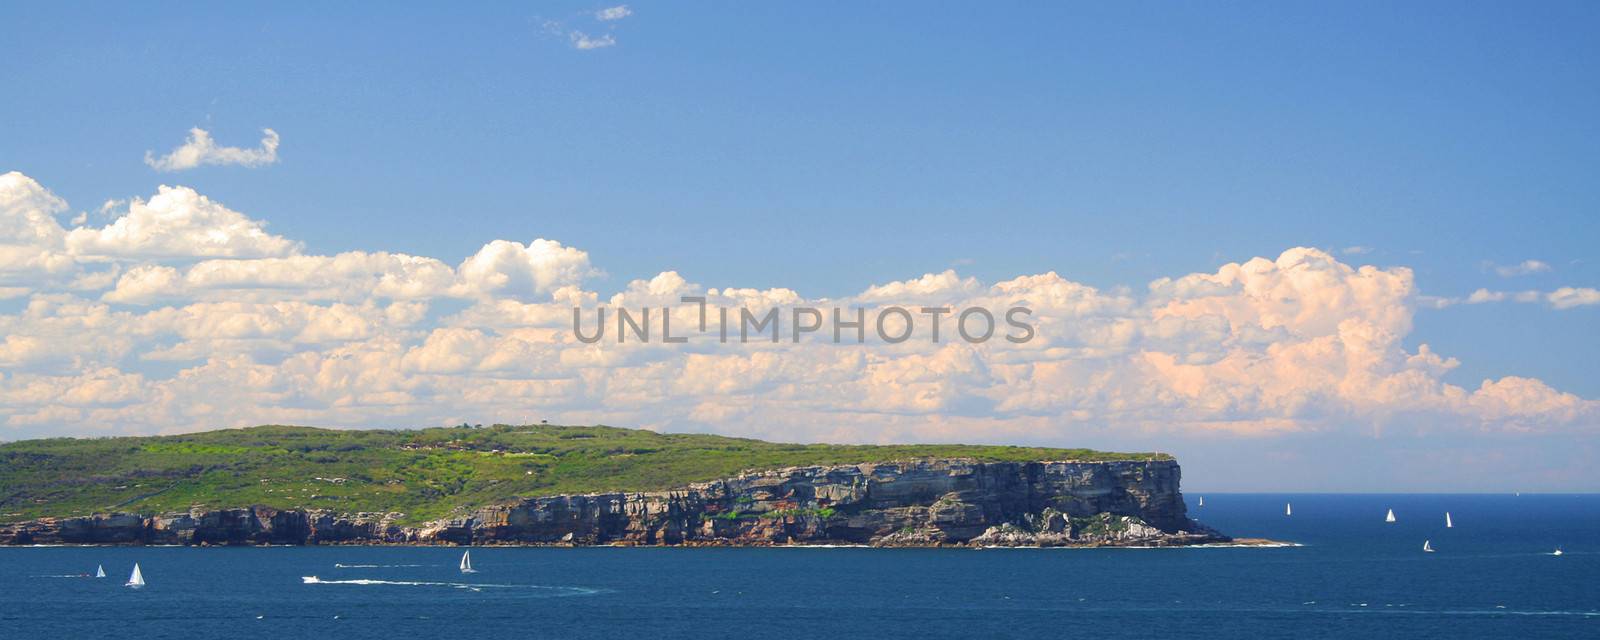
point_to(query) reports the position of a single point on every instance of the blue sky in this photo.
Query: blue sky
(827, 148)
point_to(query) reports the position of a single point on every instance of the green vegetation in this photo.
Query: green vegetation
(426, 474)
(1103, 524)
(823, 513)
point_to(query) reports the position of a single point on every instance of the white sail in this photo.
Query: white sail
(1202, 501)
(1288, 509)
(466, 562)
(1447, 523)
(137, 579)
(100, 571)
(1427, 545)
(1390, 517)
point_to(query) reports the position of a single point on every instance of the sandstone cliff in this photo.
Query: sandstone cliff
(917, 503)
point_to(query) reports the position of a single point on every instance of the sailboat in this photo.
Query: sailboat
(100, 571)
(466, 563)
(1390, 517)
(1288, 509)
(1557, 552)
(1447, 523)
(137, 579)
(1202, 501)
(1427, 546)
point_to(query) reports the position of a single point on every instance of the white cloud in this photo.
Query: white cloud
(351, 276)
(146, 283)
(581, 39)
(1570, 297)
(27, 211)
(613, 13)
(1356, 250)
(200, 150)
(930, 288)
(1563, 298)
(510, 269)
(252, 330)
(178, 222)
(31, 241)
(1526, 267)
(1526, 404)
(585, 42)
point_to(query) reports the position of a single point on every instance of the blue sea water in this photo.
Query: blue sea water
(1493, 576)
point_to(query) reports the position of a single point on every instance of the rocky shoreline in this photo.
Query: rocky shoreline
(922, 503)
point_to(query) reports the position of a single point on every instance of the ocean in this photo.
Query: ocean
(1492, 576)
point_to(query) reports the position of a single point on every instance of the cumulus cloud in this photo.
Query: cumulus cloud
(31, 241)
(179, 222)
(514, 270)
(27, 211)
(932, 287)
(200, 150)
(250, 329)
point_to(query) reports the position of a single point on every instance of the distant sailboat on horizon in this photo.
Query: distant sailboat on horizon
(1288, 509)
(137, 579)
(100, 571)
(466, 563)
(1447, 523)
(1427, 546)
(1390, 517)
(1202, 501)
(1557, 552)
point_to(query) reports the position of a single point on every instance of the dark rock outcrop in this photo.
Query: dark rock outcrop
(917, 503)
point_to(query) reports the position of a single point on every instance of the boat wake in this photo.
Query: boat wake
(377, 566)
(554, 592)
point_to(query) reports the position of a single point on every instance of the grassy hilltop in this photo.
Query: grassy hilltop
(426, 474)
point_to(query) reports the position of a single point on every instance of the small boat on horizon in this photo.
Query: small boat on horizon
(137, 579)
(1557, 552)
(466, 562)
(1202, 501)
(1288, 509)
(100, 571)
(1427, 546)
(1390, 517)
(1447, 523)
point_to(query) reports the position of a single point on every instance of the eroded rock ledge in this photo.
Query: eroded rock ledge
(917, 503)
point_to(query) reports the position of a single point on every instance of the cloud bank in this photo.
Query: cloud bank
(182, 314)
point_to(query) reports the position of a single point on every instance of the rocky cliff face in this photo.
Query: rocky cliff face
(255, 525)
(920, 503)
